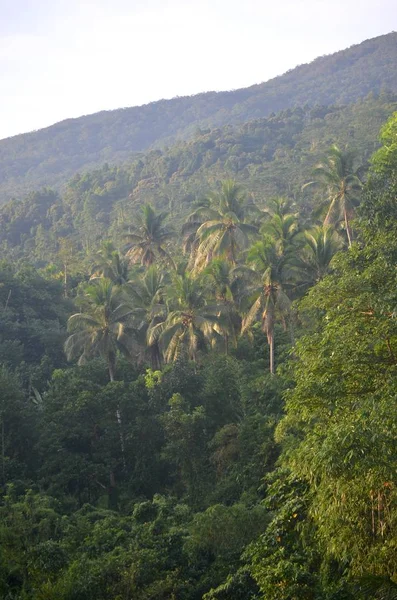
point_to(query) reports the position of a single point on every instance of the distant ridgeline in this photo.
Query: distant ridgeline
(267, 156)
(51, 156)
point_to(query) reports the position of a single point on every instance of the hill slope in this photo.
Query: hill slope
(269, 156)
(52, 155)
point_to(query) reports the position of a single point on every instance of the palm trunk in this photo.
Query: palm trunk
(111, 369)
(292, 332)
(112, 492)
(3, 453)
(155, 357)
(271, 349)
(348, 231)
(112, 500)
(65, 280)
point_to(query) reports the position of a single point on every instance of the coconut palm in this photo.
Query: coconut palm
(273, 269)
(278, 205)
(340, 181)
(281, 225)
(147, 297)
(224, 283)
(190, 321)
(102, 329)
(219, 227)
(148, 239)
(322, 243)
(110, 264)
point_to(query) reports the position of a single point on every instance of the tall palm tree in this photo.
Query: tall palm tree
(190, 321)
(148, 239)
(147, 297)
(102, 329)
(111, 265)
(273, 269)
(340, 181)
(219, 226)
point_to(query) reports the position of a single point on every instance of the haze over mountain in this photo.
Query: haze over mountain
(50, 156)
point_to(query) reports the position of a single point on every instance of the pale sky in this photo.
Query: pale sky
(67, 58)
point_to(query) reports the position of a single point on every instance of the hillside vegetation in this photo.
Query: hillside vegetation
(198, 353)
(209, 412)
(268, 157)
(51, 156)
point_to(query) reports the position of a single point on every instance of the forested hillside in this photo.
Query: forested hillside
(272, 156)
(206, 412)
(49, 157)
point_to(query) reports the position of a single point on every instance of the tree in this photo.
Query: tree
(147, 240)
(340, 181)
(111, 265)
(322, 243)
(225, 284)
(221, 227)
(102, 330)
(342, 403)
(147, 297)
(273, 269)
(384, 160)
(280, 223)
(344, 373)
(190, 321)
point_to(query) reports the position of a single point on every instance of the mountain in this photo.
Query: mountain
(49, 157)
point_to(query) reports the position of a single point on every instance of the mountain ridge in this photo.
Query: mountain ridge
(302, 66)
(50, 156)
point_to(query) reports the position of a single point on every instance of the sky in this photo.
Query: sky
(66, 58)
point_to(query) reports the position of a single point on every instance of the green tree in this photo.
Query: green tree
(102, 329)
(225, 284)
(221, 226)
(338, 434)
(111, 265)
(273, 271)
(190, 321)
(340, 181)
(148, 239)
(384, 160)
(322, 243)
(146, 293)
(281, 224)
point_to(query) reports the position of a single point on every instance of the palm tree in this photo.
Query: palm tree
(281, 224)
(190, 322)
(111, 265)
(322, 243)
(102, 329)
(340, 181)
(224, 283)
(147, 296)
(147, 240)
(218, 227)
(273, 269)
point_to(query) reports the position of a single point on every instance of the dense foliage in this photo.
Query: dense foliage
(202, 405)
(273, 156)
(51, 156)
